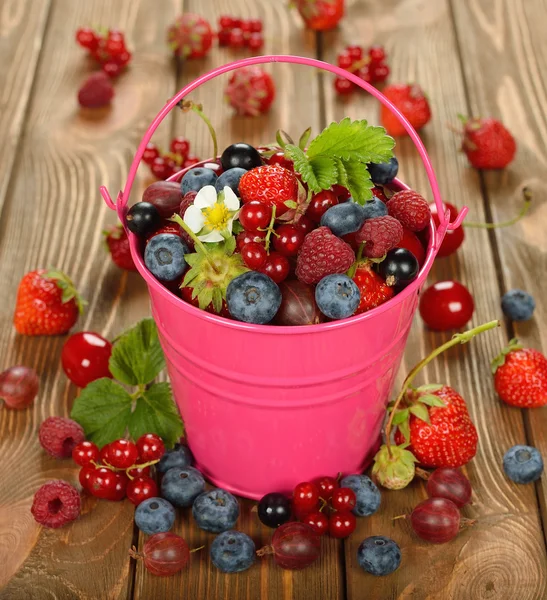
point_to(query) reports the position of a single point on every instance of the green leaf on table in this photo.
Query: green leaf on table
(103, 409)
(155, 412)
(137, 356)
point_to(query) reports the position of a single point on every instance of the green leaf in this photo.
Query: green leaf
(342, 173)
(237, 227)
(304, 138)
(353, 141)
(217, 300)
(325, 171)
(156, 413)
(431, 400)
(103, 409)
(404, 428)
(230, 245)
(290, 204)
(359, 182)
(400, 416)
(430, 387)
(137, 357)
(420, 411)
(205, 297)
(300, 160)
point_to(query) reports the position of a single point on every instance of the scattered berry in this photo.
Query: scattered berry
(518, 305)
(118, 245)
(488, 144)
(343, 499)
(342, 524)
(85, 357)
(274, 509)
(165, 554)
(411, 209)
(180, 456)
(164, 257)
(320, 15)
(523, 464)
(181, 486)
(154, 515)
(87, 38)
(190, 36)
(436, 520)
(344, 218)
(295, 546)
(232, 552)
(344, 86)
(151, 152)
(215, 511)
(372, 288)
(270, 184)
(59, 436)
(161, 167)
(84, 453)
(240, 155)
(337, 296)
(253, 298)
(18, 386)
(383, 173)
(237, 38)
(142, 218)
(180, 145)
(150, 447)
(379, 235)
(55, 504)
(449, 483)
(412, 102)
(305, 497)
(453, 238)
(446, 305)
(140, 489)
(318, 521)
(399, 268)
(250, 90)
(379, 555)
(97, 91)
(367, 494)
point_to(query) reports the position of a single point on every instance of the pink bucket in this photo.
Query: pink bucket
(266, 407)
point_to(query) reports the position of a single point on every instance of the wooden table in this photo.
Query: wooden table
(480, 57)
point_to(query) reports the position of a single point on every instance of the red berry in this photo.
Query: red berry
(317, 521)
(141, 488)
(115, 43)
(288, 240)
(245, 26)
(488, 144)
(96, 92)
(452, 239)
(255, 25)
(150, 447)
(18, 386)
(58, 436)
(279, 159)
(85, 357)
(224, 37)
(120, 489)
(237, 39)
(102, 483)
(306, 496)
(160, 168)
(343, 499)
(190, 36)
(320, 203)
(254, 255)
(305, 225)
(55, 504)
(343, 86)
(84, 453)
(103, 454)
(410, 208)
(411, 242)
(150, 153)
(84, 476)
(449, 483)
(250, 91)
(380, 193)
(436, 520)
(379, 235)
(412, 102)
(124, 58)
(341, 193)
(225, 22)
(446, 305)
(277, 267)
(365, 74)
(138, 472)
(111, 68)
(344, 60)
(87, 38)
(342, 524)
(255, 41)
(180, 145)
(355, 52)
(236, 22)
(270, 184)
(190, 161)
(122, 454)
(380, 73)
(255, 215)
(326, 486)
(246, 237)
(376, 54)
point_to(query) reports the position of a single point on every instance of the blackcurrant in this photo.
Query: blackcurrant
(399, 267)
(274, 509)
(143, 218)
(240, 155)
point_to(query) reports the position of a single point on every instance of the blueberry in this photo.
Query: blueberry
(523, 464)
(164, 256)
(215, 511)
(181, 486)
(196, 178)
(344, 218)
(240, 155)
(179, 456)
(142, 218)
(337, 296)
(231, 179)
(232, 552)
(379, 555)
(368, 495)
(518, 305)
(375, 208)
(274, 509)
(253, 298)
(154, 515)
(382, 173)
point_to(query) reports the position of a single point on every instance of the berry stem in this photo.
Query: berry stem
(134, 554)
(358, 258)
(465, 522)
(187, 105)
(177, 219)
(270, 229)
(197, 549)
(422, 473)
(265, 550)
(458, 338)
(527, 195)
(143, 466)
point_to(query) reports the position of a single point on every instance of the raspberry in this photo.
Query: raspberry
(379, 235)
(321, 254)
(59, 436)
(56, 503)
(410, 209)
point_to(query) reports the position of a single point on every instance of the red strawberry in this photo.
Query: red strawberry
(270, 184)
(411, 101)
(321, 15)
(117, 243)
(190, 36)
(47, 304)
(250, 90)
(488, 144)
(97, 91)
(520, 376)
(449, 439)
(372, 287)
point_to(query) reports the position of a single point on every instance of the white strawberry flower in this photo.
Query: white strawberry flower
(211, 216)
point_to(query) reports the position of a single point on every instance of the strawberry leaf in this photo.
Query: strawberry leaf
(429, 387)
(431, 400)
(404, 428)
(400, 416)
(420, 411)
(304, 139)
(359, 182)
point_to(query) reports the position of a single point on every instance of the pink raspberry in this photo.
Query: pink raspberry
(321, 254)
(56, 503)
(411, 209)
(379, 235)
(59, 436)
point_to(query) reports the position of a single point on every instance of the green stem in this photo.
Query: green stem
(458, 338)
(270, 229)
(178, 219)
(358, 258)
(212, 131)
(138, 392)
(526, 192)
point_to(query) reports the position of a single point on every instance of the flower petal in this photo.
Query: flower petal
(213, 236)
(194, 218)
(229, 225)
(231, 201)
(206, 197)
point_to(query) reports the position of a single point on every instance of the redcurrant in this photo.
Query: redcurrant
(115, 43)
(245, 26)
(255, 215)
(254, 255)
(246, 237)
(84, 453)
(102, 483)
(380, 73)
(124, 58)
(141, 488)
(138, 472)
(318, 521)
(306, 496)
(224, 37)
(190, 161)
(87, 38)
(255, 41)
(356, 52)
(237, 38)
(103, 454)
(180, 146)
(305, 224)
(226, 22)
(343, 86)
(343, 499)
(160, 168)
(364, 73)
(342, 524)
(320, 203)
(344, 60)
(255, 25)
(122, 454)
(85, 357)
(446, 305)
(150, 153)
(150, 447)
(111, 68)
(120, 488)
(277, 267)
(452, 239)
(376, 54)
(288, 240)
(85, 475)
(327, 485)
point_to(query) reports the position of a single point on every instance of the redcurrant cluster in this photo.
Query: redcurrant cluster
(108, 49)
(371, 68)
(119, 469)
(165, 165)
(240, 33)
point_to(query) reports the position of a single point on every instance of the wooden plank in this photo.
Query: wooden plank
(507, 41)
(22, 27)
(54, 216)
(505, 551)
(292, 112)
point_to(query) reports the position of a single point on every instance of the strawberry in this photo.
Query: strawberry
(190, 36)
(117, 243)
(487, 143)
(520, 376)
(96, 92)
(411, 101)
(438, 426)
(47, 304)
(270, 184)
(250, 91)
(321, 15)
(372, 287)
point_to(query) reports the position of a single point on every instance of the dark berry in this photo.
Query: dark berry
(197, 178)
(274, 509)
(181, 486)
(253, 298)
(518, 305)
(215, 511)
(523, 464)
(240, 155)
(379, 555)
(143, 218)
(232, 552)
(383, 173)
(154, 515)
(399, 268)
(164, 257)
(230, 178)
(344, 218)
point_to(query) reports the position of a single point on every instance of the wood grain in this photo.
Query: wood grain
(53, 215)
(513, 51)
(505, 551)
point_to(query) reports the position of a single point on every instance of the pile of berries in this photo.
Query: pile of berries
(164, 165)
(108, 49)
(240, 33)
(371, 67)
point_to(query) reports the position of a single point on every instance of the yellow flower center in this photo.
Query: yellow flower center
(217, 217)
